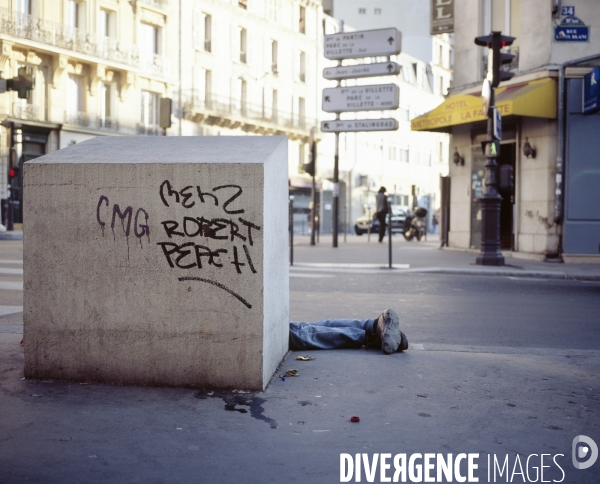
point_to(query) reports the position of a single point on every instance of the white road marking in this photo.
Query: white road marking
(5, 270)
(502, 350)
(8, 261)
(327, 265)
(14, 286)
(4, 310)
(314, 276)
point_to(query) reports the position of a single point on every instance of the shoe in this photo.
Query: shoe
(403, 342)
(388, 330)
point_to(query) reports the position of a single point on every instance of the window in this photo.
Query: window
(404, 114)
(392, 153)
(208, 33)
(243, 44)
(302, 20)
(441, 152)
(301, 111)
(272, 9)
(149, 40)
(302, 70)
(72, 14)
(274, 55)
(74, 94)
(24, 6)
(243, 4)
(404, 155)
(274, 105)
(362, 11)
(243, 96)
(202, 31)
(301, 156)
(377, 11)
(149, 110)
(202, 86)
(106, 21)
(105, 97)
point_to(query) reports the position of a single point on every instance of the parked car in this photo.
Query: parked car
(361, 225)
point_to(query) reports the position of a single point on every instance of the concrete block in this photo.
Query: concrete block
(158, 261)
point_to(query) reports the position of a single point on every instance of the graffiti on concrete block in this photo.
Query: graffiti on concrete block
(189, 236)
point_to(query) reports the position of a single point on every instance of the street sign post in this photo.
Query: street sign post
(497, 131)
(354, 125)
(361, 98)
(364, 43)
(362, 70)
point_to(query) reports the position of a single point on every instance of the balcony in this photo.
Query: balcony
(30, 112)
(63, 36)
(156, 3)
(233, 113)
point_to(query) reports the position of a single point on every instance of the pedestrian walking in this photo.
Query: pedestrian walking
(435, 222)
(381, 211)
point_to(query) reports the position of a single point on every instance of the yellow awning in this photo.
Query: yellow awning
(536, 99)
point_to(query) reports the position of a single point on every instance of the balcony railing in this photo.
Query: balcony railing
(156, 3)
(234, 108)
(60, 35)
(25, 111)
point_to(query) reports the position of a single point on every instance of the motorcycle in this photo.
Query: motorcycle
(414, 225)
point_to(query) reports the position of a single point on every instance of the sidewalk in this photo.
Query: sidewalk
(441, 396)
(357, 254)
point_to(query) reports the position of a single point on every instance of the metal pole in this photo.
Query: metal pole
(336, 171)
(291, 224)
(313, 194)
(389, 232)
(490, 254)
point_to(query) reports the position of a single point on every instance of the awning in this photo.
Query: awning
(536, 99)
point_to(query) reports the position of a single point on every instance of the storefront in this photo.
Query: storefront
(529, 110)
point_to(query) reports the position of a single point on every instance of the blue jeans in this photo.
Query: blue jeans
(330, 334)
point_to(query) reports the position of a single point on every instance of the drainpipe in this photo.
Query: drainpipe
(560, 165)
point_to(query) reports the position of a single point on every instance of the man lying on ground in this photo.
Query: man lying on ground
(382, 332)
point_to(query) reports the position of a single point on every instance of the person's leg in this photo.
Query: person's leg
(382, 225)
(330, 334)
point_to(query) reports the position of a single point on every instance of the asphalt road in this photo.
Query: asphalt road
(498, 366)
(459, 309)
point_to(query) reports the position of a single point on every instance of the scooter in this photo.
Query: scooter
(414, 224)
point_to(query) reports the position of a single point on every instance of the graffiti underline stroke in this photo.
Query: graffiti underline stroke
(218, 284)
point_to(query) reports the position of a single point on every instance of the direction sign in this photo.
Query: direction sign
(364, 43)
(361, 98)
(338, 125)
(362, 70)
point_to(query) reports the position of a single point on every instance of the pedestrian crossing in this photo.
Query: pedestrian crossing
(11, 292)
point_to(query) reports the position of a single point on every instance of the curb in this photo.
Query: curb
(492, 272)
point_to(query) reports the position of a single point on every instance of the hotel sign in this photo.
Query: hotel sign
(442, 16)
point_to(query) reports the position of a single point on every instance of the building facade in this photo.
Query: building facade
(551, 211)
(408, 164)
(100, 68)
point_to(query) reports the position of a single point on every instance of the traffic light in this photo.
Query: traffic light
(13, 172)
(23, 83)
(496, 41)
